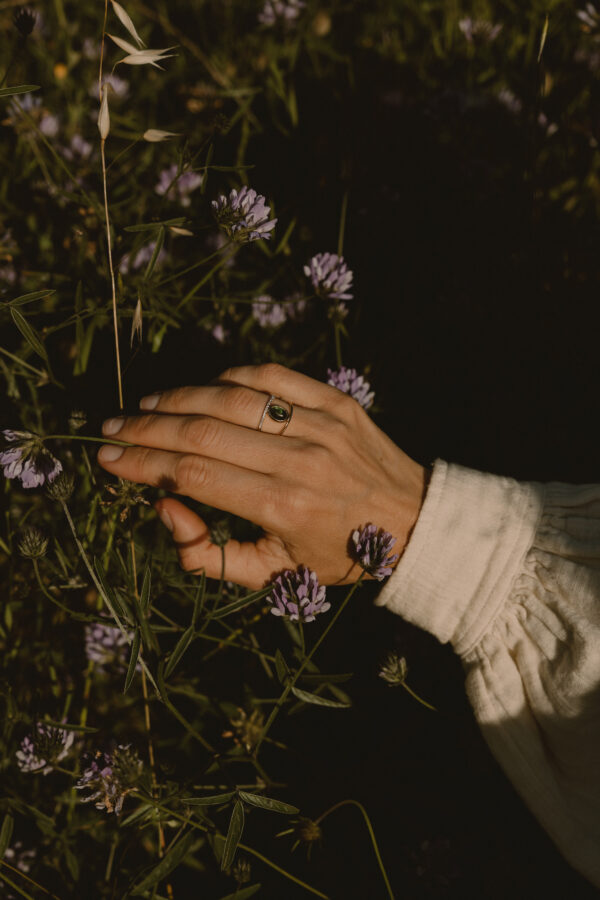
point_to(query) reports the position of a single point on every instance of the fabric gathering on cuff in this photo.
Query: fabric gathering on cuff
(472, 535)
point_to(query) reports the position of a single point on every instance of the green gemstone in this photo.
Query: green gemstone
(278, 413)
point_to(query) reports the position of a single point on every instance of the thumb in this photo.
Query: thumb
(245, 564)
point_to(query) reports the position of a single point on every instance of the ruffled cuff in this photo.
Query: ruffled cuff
(469, 543)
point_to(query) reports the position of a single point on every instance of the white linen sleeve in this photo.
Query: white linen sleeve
(509, 573)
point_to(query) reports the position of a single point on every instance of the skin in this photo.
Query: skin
(331, 472)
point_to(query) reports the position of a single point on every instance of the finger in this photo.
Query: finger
(230, 403)
(283, 382)
(205, 436)
(251, 565)
(240, 491)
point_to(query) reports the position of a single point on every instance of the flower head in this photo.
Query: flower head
(33, 544)
(27, 458)
(284, 11)
(244, 215)
(330, 276)
(110, 777)
(393, 669)
(133, 261)
(20, 859)
(298, 595)
(24, 20)
(372, 547)
(590, 17)
(106, 646)
(479, 30)
(267, 312)
(178, 188)
(44, 748)
(350, 382)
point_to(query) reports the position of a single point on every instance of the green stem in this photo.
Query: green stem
(52, 599)
(203, 280)
(371, 832)
(22, 362)
(241, 846)
(195, 265)
(304, 663)
(416, 697)
(338, 346)
(83, 437)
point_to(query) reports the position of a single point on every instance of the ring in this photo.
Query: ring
(278, 413)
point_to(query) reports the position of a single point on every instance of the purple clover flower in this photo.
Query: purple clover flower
(298, 595)
(479, 30)
(110, 777)
(267, 312)
(330, 276)
(285, 11)
(42, 750)
(106, 646)
(28, 459)
(132, 262)
(20, 859)
(350, 382)
(177, 188)
(373, 550)
(244, 215)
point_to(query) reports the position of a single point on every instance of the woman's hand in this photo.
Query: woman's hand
(332, 472)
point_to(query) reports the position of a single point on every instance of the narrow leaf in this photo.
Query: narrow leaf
(135, 652)
(181, 646)
(108, 591)
(543, 37)
(146, 585)
(6, 833)
(241, 603)
(29, 334)
(174, 855)
(67, 726)
(125, 20)
(199, 598)
(152, 226)
(124, 45)
(234, 833)
(29, 298)
(157, 248)
(281, 667)
(210, 800)
(18, 89)
(268, 803)
(250, 891)
(317, 700)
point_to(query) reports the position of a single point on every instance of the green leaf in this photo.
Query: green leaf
(146, 585)
(72, 863)
(284, 240)
(240, 604)
(244, 893)
(210, 800)
(29, 334)
(6, 833)
(157, 248)
(80, 729)
(152, 226)
(109, 593)
(174, 855)
(234, 833)
(135, 652)
(281, 667)
(18, 89)
(268, 803)
(317, 700)
(180, 647)
(28, 298)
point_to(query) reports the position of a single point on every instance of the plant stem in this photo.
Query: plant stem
(371, 833)
(292, 681)
(112, 274)
(416, 697)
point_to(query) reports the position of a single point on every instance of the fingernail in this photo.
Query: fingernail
(109, 453)
(111, 426)
(150, 401)
(165, 518)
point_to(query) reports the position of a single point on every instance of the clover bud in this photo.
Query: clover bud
(61, 488)
(220, 533)
(24, 21)
(77, 419)
(33, 544)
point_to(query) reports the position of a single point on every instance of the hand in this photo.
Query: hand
(332, 472)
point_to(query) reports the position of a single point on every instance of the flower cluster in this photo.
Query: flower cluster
(106, 646)
(373, 547)
(298, 595)
(110, 777)
(244, 215)
(284, 11)
(330, 276)
(267, 312)
(393, 669)
(44, 748)
(350, 382)
(27, 458)
(177, 187)
(20, 859)
(479, 30)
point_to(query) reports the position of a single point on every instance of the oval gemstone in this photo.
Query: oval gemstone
(278, 413)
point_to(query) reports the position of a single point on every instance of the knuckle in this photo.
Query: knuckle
(241, 400)
(175, 399)
(270, 371)
(200, 431)
(191, 471)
